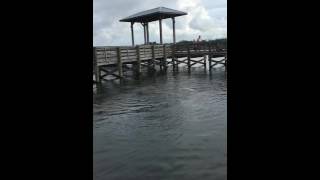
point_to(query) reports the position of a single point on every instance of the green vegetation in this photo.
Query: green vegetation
(216, 42)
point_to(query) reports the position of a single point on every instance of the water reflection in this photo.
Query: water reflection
(169, 126)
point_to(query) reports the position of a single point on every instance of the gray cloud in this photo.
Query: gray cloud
(207, 18)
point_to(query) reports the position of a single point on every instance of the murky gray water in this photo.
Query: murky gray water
(165, 127)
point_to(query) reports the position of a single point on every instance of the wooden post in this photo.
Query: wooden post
(147, 25)
(119, 62)
(138, 59)
(95, 64)
(205, 62)
(174, 30)
(144, 33)
(173, 56)
(160, 29)
(164, 58)
(161, 60)
(189, 58)
(132, 33)
(153, 57)
(210, 58)
(225, 63)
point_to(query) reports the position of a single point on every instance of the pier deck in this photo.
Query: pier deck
(151, 55)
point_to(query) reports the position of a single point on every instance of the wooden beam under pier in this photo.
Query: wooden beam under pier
(165, 58)
(119, 62)
(189, 59)
(138, 59)
(95, 66)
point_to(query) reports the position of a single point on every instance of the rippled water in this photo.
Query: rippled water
(171, 126)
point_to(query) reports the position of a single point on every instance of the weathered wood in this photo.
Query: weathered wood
(189, 58)
(124, 52)
(160, 29)
(144, 33)
(210, 58)
(147, 25)
(155, 55)
(114, 75)
(223, 61)
(225, 64)
(145, 65)
(165, 58)
(138, 60)
(173, 57)
(193, 64)
(96, 67)
(181, 61)
(174, 30)
(205, 62)
(153, 58)
(197, 61)
(132, 33)
(119, 63)
(107, 73)
(218, 61)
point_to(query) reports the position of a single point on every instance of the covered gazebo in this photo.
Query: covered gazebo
(155, 14)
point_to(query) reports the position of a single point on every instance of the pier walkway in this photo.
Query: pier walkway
(113, 60)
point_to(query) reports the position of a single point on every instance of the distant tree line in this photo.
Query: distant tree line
(217, 42)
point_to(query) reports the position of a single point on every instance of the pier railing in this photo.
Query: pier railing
(151, 55)
(108, 55)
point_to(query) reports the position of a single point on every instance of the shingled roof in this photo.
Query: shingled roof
(153, 15)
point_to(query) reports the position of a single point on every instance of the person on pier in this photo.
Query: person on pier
(198, 41)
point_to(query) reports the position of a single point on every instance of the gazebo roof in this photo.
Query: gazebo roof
(153, 15)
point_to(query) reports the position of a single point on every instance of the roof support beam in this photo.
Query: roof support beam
(147, 25)
(132, 33)
(156, 14)
(144, 33)
(174, 30)
(160, 29)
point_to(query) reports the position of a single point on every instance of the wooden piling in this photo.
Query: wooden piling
(173, 57)
(164, 63)
(119, 61)
(189, 58)
(153, 58)
(210, 58)
(225, 63)
(96, 67)
(205, 62)
(160, 60)
(138, 60)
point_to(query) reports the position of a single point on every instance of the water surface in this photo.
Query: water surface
(171, 126)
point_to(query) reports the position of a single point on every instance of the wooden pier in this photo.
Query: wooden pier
(114, 60)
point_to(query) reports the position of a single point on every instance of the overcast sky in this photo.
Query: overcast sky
(207, 18)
